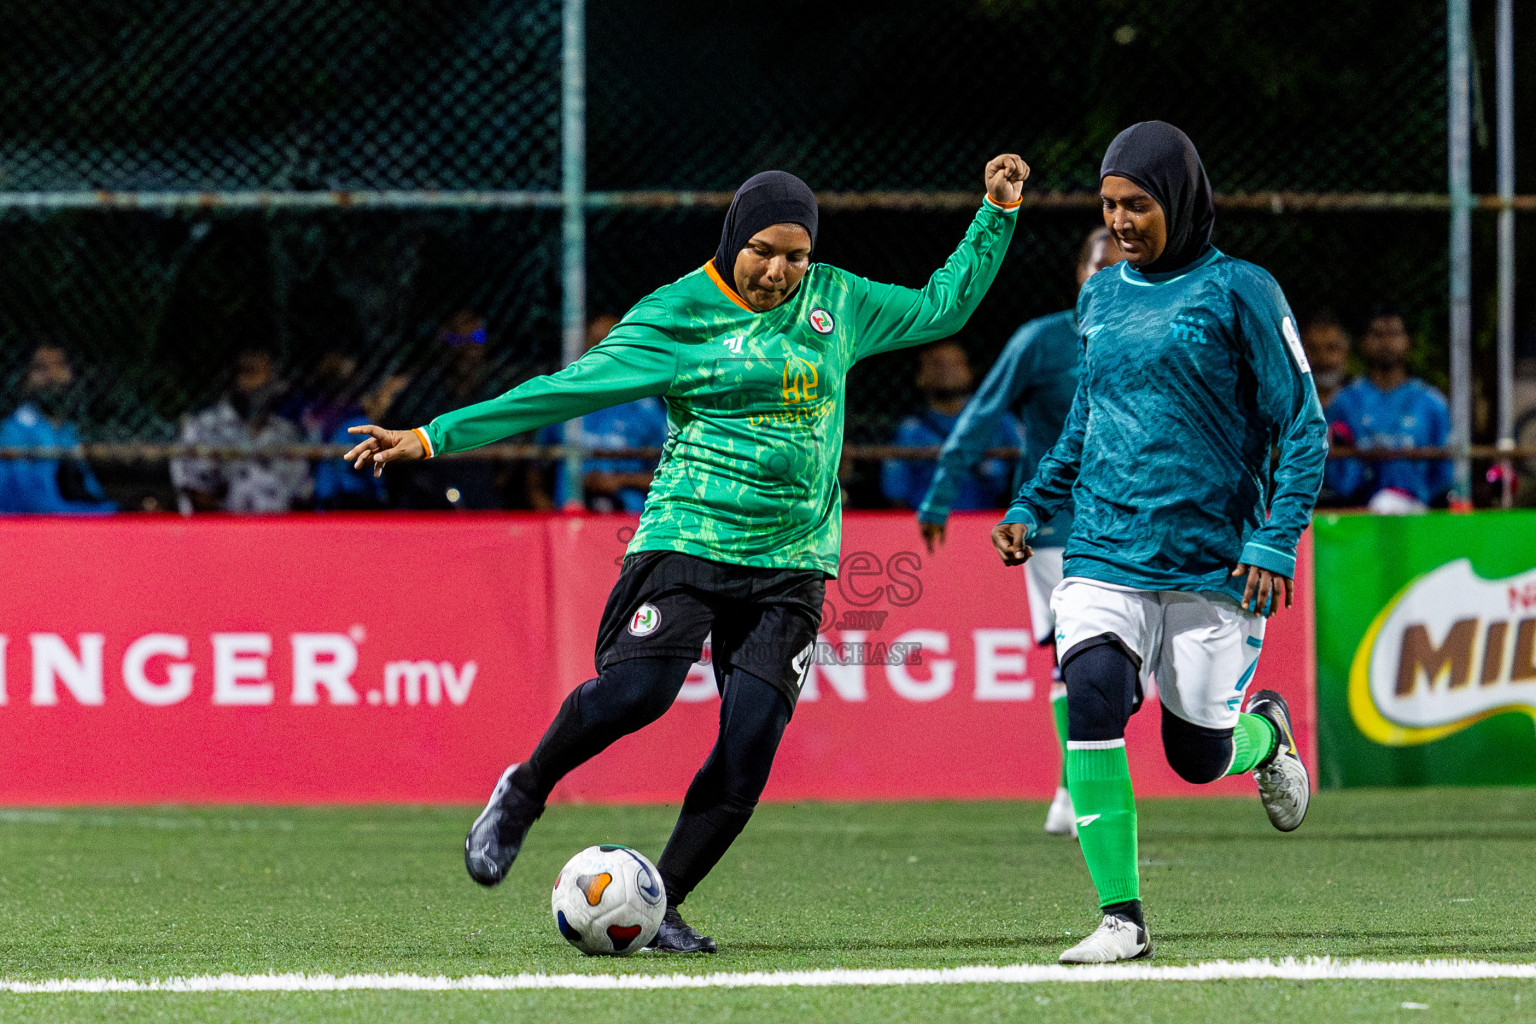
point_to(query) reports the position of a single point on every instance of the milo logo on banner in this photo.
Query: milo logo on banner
(1450, 650)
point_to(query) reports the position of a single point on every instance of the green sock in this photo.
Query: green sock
(1252, 742)
(1099, 780)
(1059, 712)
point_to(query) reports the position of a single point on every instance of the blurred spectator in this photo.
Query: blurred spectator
(944, 379)
(324, 399)
(1389, 409)
(50, 485)
(242, 418)
(337, 484)
(1326, 343)
(464, 376)
(464, 338)
(608, 485)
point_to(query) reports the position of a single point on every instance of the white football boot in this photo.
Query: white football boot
(1284, 786)
(1059, 819)
(1114, 939)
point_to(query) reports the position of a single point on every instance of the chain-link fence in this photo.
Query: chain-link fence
(370, 191)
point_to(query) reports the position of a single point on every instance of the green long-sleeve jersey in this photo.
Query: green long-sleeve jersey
(754, 400)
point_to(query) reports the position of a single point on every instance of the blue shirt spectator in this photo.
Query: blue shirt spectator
(944, 378)
(639, 424)
(1411, 415)
(46, 485)
(906, 481)
(1389, 409)
(52, 485)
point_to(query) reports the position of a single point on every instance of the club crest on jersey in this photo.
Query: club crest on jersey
(645, 620)
(821, 321)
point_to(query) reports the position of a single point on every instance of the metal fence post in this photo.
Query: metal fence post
(1504, 61)
(1459, 144)
(573, 235)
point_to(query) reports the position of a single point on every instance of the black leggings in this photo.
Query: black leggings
(632, 694)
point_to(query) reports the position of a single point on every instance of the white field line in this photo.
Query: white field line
(1310, 969)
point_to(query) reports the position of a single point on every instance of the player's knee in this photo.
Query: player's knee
(1102, 682)
(1196, 753)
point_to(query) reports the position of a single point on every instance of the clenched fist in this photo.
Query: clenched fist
(1005, 176)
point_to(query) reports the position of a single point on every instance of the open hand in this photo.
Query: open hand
(1005, 177)
(933, 535)
(381, 446)
(1261, 594)
(1009, 540)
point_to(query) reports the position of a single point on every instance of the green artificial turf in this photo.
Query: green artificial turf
(160, 892)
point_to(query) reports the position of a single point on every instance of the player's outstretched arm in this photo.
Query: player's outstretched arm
(892, 317)
(638, 359)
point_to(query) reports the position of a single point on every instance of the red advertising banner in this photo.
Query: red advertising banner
(381, 658)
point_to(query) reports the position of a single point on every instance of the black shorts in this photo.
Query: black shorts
(762, 621)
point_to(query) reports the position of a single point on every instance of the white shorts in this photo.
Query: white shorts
(1200, 648)
(1042, 575)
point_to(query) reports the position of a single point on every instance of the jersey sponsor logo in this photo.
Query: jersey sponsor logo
(801, 381)
(1450, 650)
(1293, 342)
(821, 321)
(645, 620)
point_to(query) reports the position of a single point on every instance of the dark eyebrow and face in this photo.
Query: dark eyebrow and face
(1135, 219)
(769, 267)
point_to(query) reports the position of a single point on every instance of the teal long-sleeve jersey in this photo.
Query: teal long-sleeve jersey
(1189, 381)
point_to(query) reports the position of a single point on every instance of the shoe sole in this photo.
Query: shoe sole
(1145, 954)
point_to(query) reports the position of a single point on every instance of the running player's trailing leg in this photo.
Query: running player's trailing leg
(721, 799)
(1059, 819)
(628, 695)
(1101, 684)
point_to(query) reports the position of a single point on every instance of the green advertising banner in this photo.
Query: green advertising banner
(1426, 649)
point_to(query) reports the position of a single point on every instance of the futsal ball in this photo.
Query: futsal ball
(608, 901)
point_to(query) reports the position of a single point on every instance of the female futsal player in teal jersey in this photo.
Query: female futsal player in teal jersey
(1192, 374)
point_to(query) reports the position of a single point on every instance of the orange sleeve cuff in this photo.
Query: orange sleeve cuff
(426, 442)
(1006, 206)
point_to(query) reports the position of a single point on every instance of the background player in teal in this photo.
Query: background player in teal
(1035, 377)
(742, 524)
(1192, 374)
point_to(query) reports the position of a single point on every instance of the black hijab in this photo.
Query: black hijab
(772, 197)
(1162, 160)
